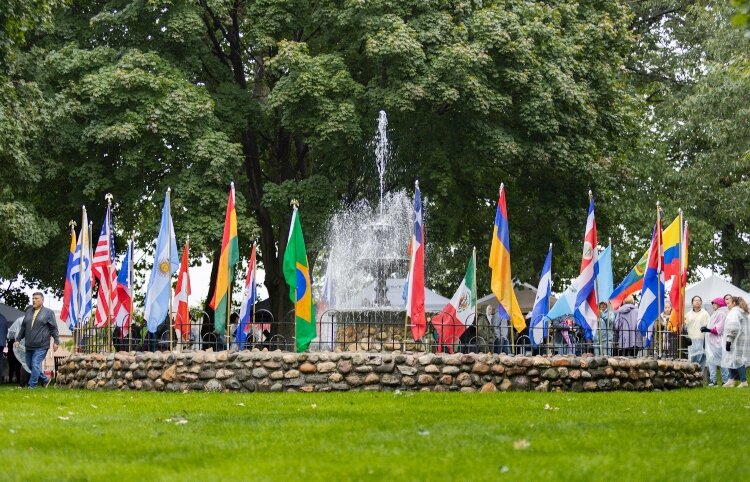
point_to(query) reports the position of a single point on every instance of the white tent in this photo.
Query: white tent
(525, 294)
(710, 288)
(433, 302)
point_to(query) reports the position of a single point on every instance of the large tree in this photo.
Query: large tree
(282, 96)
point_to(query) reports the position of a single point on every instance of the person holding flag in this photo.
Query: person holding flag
(297, 276)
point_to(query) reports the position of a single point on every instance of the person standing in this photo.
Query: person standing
(500, 328)
(696, 319)
(714, 348)
(3, 346)
(629, 340)
(736, 340)
(603, 336)
(38, 326)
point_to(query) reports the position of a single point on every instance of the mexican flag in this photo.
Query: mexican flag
(460, 312)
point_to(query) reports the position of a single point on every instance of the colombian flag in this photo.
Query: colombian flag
(297, 276)
(673, 252)
(502, 284)
(68, 290)
(230, 254)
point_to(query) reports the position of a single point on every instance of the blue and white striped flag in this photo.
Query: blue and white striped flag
(166, 263)
(652, 294)
(539, 323)
(80, 305)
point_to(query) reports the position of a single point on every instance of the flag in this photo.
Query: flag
(249, 296)
(230, 254)
(104, 270)
(165, 265)
(633, 282)
(460, 311)
(586, 312)
(80, 296)
(539, 324)
(68, 289)
(502, 282)
(415, 289)
(181, 294)
(673, 268)
(653, 288)
(604, 281)
(124, 303)
(297, 276)
(565, 302)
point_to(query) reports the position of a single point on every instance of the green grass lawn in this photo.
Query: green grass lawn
(59, 434)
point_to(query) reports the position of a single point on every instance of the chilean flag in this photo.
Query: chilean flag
(586, 307)
(249, 296)
(415, 292)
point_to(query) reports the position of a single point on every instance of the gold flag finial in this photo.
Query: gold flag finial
(108, 197)
(294, 202)
(72, 224)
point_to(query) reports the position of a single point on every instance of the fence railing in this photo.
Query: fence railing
(382, 331)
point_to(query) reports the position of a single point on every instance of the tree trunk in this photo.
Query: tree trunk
(734, 254)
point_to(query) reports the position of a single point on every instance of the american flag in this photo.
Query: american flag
(105, 271)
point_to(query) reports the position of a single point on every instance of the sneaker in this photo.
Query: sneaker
(712, 384)
(729, 384)
(743, 385)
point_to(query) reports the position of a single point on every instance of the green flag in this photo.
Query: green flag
(297, 276)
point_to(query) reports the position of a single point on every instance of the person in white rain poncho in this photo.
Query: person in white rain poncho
(736, 340)
(696, 319)
(714, 332)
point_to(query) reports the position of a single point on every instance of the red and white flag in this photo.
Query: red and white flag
(104, 270)
(586, 299)
(415, 292)
(181, 293)
(124, 302)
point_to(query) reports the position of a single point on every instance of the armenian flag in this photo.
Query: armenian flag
(502, 282)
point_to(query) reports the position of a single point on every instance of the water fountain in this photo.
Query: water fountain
(368, 260)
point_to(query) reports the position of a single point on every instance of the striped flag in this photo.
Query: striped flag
(230, 254)
(80, 296)
(68, 289)
(502, 281)
(586, 306)
(460, 312)
(653, 288)
(105, 272)
(671, 239)
(249, 296)
(539, 323)
(124, 302)
(181, 297)
(165, 264)
(415, 291)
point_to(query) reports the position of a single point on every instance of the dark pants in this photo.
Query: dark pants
(501, 345)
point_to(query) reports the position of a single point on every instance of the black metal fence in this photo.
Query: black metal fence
(381, 331)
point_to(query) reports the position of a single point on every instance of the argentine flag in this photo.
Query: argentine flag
(166, 263)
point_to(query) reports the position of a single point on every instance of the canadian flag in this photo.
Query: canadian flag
(181, 293)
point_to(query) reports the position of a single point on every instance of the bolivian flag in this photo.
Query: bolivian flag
(230, 254)
(297, 276)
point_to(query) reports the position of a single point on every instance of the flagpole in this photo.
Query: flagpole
(181, 341)
(295, 205)
(91, 260)
(72, 225)
(169, 269)
(659, 308)
(252, 288)
(609, 305)
(548, 301)
(132, 292)
(680, 295)
(109, 222)
(474, 291)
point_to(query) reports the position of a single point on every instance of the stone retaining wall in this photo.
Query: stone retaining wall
(307, 372)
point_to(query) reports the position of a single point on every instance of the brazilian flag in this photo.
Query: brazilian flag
(297, 276)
